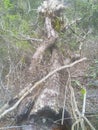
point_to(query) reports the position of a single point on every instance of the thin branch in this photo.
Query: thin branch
(75, 123)
(88, 122)
(69, 25)
(62, 121)
(84, 103)
(31, 39)
(83, 109)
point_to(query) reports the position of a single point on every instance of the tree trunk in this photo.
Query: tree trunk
(52, 90)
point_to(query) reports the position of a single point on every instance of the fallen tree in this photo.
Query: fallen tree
(50, 85)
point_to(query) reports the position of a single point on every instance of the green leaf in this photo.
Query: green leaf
(78, 83)
(83, 91)
(7, 4)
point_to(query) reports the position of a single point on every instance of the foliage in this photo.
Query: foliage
(16, 19)
(19, 18)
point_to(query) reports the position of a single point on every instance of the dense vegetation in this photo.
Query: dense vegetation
(19, 19)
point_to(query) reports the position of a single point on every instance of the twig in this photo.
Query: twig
(88, 122)
(38, 83)
(30, 39)
(81, 117)
(69, 25)
(75, 123)
(62, 121)
(83, 109)
(84, 103)
(75, 109)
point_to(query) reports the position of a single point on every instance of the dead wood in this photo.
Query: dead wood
(37, 85)
(38, 55)
(52, 85)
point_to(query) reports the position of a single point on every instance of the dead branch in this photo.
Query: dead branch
(68, 26)
(50, 7)
(88, 122)
(82, 117)
(77, 122)
(38, 83)
(67, 83)
(28, 38)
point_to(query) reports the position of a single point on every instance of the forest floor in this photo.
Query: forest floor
(86, 75)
